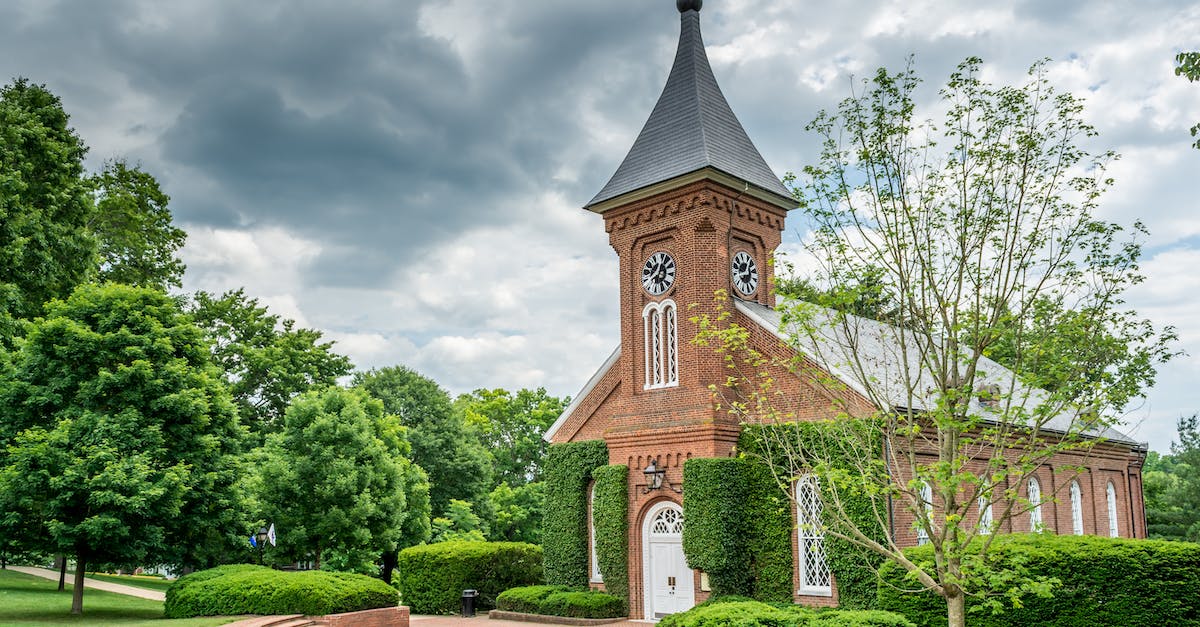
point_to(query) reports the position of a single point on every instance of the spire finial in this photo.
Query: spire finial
(688, 5)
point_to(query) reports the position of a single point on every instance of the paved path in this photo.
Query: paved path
(483, 621)
(94, 584)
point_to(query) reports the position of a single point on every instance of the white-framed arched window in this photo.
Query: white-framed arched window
(1076, 508)
(1033, 490)
(815, 578)
(1111, 491)
(660, 328)
(596, 576)
(926, 505)
(985, 515)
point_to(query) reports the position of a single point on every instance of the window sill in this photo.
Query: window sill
(815, 592)
(664, 386)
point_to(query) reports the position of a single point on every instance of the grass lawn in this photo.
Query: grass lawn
(27, 600)
(139, 581)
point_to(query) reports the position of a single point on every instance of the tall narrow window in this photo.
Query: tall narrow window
(985, 515)
(1113, 531)
(1034, 491)
(926, 505)
(814, 570)
(596, 576)
(1076, 509)
(660, 326)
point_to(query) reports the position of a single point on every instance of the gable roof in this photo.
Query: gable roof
(587, 389)
(692, 128)
(868, 355)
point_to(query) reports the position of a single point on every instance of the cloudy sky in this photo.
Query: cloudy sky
(407, 176)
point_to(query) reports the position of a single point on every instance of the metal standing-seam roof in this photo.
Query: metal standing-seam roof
(691, 128)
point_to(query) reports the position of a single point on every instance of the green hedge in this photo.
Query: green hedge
(853, 567)
(561, 601)
(1104, 581)
(432, 577)
(610, 512)
(716, 538)
(246, 589)
(744, 613)
(568, 470)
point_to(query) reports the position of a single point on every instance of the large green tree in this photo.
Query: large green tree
(511, 427)
(973, 224)
(137, 242)
(267, 360)
(121, 439)
(46, 248)
(1172, 485)
(335, 481)
(443, 443)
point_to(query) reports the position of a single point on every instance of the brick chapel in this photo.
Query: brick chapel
(694, 208)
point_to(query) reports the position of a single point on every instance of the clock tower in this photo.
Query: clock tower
(693, 209)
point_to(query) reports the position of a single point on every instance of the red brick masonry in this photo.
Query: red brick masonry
(382, 617)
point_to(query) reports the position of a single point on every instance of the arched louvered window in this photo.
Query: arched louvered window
(815, 578)
(1076, 509)
(985, 515)
(1113, 531)
(1033, 491)
(661, 329)
(596, 576)
(926, 505)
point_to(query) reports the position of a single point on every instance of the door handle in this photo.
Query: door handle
(671, 581)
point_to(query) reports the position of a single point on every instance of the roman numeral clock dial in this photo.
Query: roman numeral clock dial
(745, 273)
(658, 273)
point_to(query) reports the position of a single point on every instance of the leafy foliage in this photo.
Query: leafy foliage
(737, 612)
(336, 478)
(1187, 64)
(561, 601)
(1095, 581)
(511, 427)
(442, 442)
(433, 576)
(610, 515)
(458, 524)
(266, 360)
(1172, 487)
(45, 247)
(517, 513)
(716, 538)
(121, 439)
(244, 589)
(137, 243)
(568, 470)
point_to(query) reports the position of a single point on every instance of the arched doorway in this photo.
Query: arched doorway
(668, 586)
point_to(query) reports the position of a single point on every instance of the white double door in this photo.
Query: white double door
(669, 581)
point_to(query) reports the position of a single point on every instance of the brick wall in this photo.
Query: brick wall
(383, 617)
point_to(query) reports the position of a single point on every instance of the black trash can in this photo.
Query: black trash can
(468, 603)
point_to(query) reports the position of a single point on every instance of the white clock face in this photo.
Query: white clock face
(659, 273)
(745, 273)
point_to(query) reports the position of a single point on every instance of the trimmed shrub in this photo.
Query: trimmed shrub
(716, 538)
(561, 601)
(611, 514)
(245, 589)
(1104, 581)
(744, 613)
(568, 470)
(432, 577)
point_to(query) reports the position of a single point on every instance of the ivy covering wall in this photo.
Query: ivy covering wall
(854, 568)
(738, 526)
(568, 471)
(610, 513)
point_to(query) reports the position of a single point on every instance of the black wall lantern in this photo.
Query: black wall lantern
(654, 478)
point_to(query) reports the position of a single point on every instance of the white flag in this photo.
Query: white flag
(271, 534)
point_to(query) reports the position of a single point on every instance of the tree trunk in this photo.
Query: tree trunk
(956, 607)
(389, 564)
(62, 572)
(77, 595)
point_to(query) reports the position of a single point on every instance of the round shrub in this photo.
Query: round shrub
(432, 577)
(727, 612)
(1103, 582)
(561, 601)
(246, 589)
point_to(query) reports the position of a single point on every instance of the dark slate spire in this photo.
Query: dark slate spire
(692, 128)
